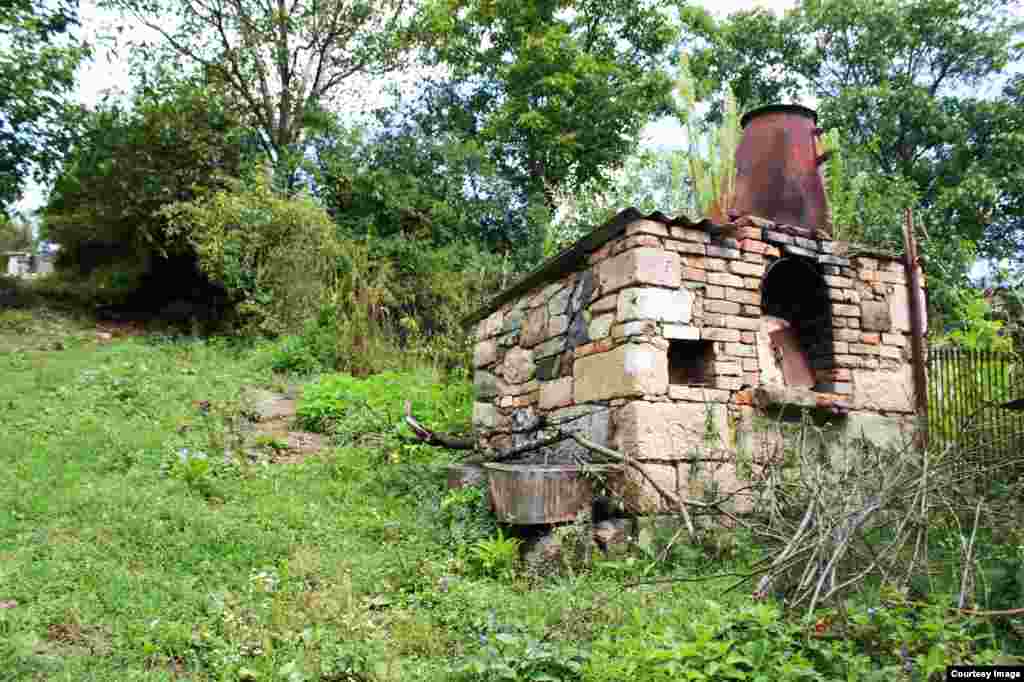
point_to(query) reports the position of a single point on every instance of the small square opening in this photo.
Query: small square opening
(691, 363)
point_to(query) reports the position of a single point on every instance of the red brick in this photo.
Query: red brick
(745, 232)
(753, 246)
(711, 291)
(694, 275)
(599, 346)
(684, 247)
(724, 279)
(772, 251)
(743, 268)
(872, 339)
(748, 337)
(727, 307)
(742, 323)
(716, 264)
(718, 334)
(743, 296)
(745, 397)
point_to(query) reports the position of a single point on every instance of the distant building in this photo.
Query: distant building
(28, 264)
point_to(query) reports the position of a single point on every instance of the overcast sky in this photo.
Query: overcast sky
(106, 72)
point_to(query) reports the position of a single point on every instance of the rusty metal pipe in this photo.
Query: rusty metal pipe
(777, 167)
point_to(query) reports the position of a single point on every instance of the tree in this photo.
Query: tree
(37, 69)
(416, 176)
(173, 144)
(281, 60)
(560, 89)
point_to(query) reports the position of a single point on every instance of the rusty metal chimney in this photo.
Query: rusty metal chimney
(777, 163)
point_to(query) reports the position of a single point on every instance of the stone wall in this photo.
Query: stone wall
(656, 345)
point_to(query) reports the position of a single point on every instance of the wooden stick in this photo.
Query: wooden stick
(431, 438)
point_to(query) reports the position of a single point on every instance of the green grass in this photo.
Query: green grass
(127, 564)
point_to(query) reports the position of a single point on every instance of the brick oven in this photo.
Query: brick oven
(660, 337)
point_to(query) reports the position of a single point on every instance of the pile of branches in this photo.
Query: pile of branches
(830, 513)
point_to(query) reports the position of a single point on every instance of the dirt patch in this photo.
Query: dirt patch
(109, 330)
(274, 415)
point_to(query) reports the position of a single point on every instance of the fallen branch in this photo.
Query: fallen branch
(430, 438)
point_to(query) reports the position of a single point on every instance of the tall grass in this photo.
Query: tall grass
(711, 150)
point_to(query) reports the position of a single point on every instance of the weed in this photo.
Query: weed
(496, 557)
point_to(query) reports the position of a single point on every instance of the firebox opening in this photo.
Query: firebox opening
(691, 363)
(794, 291)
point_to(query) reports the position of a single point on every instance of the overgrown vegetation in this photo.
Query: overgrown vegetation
(138, 544)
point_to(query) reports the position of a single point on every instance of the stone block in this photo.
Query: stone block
(512, 321)
(519, 366)
(548, 368)
(712, 291)
(555, 394)
(715, 264)
(894, 340)
(663, 305)
(791, 250)
(487, 386)
(669, 431)
(535, 328)
(776, 237)
(485, 353)
(884, 390)
(644, 265)
(628, 370)
(485, 415)
(490, 326)
(604, 304)
(875, 316)
(550, 347)
(600, 326)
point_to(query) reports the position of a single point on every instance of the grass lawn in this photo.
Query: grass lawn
(122, 559)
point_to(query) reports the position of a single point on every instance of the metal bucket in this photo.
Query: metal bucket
(527, 494)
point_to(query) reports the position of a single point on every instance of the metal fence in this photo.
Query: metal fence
(966, 394)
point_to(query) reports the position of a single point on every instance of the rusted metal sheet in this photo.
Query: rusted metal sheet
(796, 369)
(777, 167)
(526, 494)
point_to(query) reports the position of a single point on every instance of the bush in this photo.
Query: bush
(275, 257)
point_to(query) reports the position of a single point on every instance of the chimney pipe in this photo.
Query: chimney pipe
(777, 167)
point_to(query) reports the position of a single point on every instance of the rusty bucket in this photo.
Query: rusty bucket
(527, 494)
(777, 167)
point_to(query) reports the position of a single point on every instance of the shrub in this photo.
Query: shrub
(276, 257)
